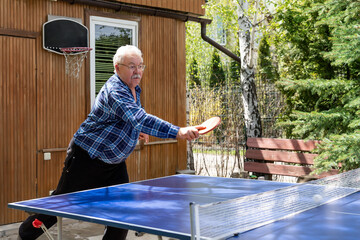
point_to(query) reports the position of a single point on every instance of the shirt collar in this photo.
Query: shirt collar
(137, 88)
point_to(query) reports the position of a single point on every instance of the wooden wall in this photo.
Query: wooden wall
(192, 6)
(41, 107)
(17, 122)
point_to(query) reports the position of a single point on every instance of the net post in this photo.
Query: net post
(194, 221)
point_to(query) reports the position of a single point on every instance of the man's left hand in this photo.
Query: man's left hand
(144, 136)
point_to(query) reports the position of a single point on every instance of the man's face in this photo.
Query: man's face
(130, 77)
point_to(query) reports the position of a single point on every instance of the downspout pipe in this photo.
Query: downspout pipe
(117, 6)
(217, 45)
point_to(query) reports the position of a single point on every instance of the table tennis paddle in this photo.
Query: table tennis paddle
(209, 125)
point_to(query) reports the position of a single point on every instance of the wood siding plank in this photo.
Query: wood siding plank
(18, 134)
(191, 6)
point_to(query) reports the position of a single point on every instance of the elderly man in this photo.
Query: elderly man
(97, 153)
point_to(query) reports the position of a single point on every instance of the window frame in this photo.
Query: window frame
(112, 22)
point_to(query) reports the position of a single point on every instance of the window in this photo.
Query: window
(106, 36)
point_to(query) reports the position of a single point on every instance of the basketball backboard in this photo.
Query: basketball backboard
(63, 33)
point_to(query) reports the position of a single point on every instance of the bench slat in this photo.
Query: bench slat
(284, 144)
(285, 170)
(289, 157)
(270, 168)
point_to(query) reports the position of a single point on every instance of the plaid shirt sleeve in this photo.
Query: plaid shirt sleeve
(112, 129)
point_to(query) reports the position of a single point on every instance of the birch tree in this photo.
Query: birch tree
(246, 45)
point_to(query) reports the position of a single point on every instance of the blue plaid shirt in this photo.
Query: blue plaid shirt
(111, 130)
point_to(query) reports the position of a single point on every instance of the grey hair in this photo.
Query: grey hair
(123, 50)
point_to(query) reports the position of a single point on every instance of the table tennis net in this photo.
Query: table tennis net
(220, 220)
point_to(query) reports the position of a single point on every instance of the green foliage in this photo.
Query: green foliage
(194, 75)
(197, 50)
(224, 20)
(318, 53)
(217, 77)
(339, 150)
(235, 68)
(342, 16)
(301, 44)
(316, 94)
(266, 70)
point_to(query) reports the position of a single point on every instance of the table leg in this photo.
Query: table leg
(59, 227)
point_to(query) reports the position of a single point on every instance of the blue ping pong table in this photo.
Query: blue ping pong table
(161, 206)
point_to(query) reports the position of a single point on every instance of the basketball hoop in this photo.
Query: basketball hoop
(74, 57)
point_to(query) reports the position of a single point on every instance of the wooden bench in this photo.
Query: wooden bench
(294, 156)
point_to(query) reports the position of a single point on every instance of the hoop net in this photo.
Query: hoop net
(74, 57)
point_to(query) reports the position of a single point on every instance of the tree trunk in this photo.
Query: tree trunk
(249, 97)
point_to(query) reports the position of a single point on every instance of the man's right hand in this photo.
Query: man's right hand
(189, 133)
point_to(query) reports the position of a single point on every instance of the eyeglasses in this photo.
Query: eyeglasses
(140, 67)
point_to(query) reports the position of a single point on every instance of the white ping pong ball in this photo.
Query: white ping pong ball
(317, 198)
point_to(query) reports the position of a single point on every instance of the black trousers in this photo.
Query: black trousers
(80, 172)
